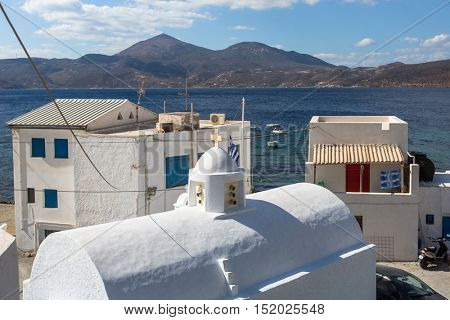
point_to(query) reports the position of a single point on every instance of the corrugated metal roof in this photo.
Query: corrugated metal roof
(356, 153)
(78, 112)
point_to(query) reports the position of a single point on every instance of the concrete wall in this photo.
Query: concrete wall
(436, 201)
(389, 220)
(9, 271)
(334, 176)
(40, 174)
(110, 122)
(95, 201)
(350, 276)
(364, 130)
(392, 227)
(131, 164)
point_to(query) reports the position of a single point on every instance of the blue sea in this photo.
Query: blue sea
(427, 110)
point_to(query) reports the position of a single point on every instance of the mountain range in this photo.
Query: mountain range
(165, 62)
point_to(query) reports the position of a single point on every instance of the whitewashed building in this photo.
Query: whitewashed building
(434, 208)
(145, 160)
(295, 242)
(9, 270)
(349, 155)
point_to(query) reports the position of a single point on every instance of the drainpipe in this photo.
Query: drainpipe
(402, 184)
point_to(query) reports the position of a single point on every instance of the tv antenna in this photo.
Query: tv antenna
(186, 94)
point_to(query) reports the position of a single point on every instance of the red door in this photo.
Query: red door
(353, 175)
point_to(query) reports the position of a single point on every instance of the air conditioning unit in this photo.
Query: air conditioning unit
(217, 118)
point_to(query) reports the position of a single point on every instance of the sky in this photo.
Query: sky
(342, 32)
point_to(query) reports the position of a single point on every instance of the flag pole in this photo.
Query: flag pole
(242, 133)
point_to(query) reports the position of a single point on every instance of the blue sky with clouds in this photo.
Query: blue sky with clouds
(338, 31)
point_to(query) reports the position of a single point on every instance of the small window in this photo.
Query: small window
(61, 148)
(131, 116)
(429, 218)
(359, 219)
(38, 147)
(177, 171)
(50, 198)
(49, 232)
(119, 117)
(31, 195)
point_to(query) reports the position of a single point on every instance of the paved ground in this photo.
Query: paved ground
(7, 216)
(438, 278)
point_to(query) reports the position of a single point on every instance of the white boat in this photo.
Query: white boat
(276, 128)
(272, 144)
(279, 131)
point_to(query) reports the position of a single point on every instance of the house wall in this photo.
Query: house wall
(351, 277)
(389, 220)
(436, 201)
(334, 176)
(40, 174)
(138, 164)
(117, 159)
(9, 271)
(131, 164)
(391, 227)
(110, 123)
(388, 130)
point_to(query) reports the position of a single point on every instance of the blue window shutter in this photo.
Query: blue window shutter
(50, 198)
(38, 147)
(177, 171)
(184, 170)
(61, 148)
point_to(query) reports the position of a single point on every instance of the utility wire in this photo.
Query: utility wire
(385, 44)
(50, 93)
(174, 140)
(78, 53)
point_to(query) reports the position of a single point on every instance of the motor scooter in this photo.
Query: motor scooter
(433, 255)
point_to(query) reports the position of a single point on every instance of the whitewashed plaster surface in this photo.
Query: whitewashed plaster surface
(282, 232)
(9, 271)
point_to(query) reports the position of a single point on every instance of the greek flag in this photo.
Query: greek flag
(233, 151)
(390, 179)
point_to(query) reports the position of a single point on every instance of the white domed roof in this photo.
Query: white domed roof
(296, 228)
(215, 160)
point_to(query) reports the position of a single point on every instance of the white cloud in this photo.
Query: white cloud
(326, 56)
(113, 27)
(278, 46)
(44, 51)
(311, 2)
(242, 27)
(436, 40)
(233, 38)
(364, 42)
(367, 2)
(411, 39)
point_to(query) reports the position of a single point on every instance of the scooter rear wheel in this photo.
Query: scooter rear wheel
(424, 263)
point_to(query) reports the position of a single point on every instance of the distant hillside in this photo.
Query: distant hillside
(165, 61)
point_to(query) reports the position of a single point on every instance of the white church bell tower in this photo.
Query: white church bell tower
(216, 183)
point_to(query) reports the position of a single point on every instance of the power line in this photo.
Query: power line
(170, 140)
(95, 191)
(388, 42)
(77, 52)
(50, 93)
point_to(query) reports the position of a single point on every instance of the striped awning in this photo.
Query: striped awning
(356, 153)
